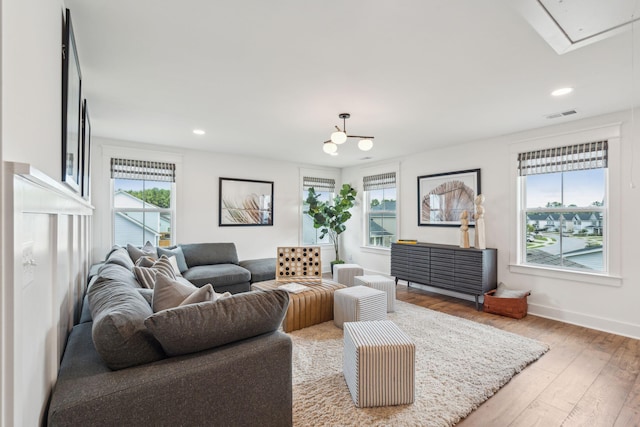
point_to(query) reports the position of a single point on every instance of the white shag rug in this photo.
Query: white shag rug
(459, 365)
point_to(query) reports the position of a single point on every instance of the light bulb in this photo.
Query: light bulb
(365, 144)
(329, 147)
(338, 137)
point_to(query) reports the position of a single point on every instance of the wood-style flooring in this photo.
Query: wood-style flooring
(588, 378)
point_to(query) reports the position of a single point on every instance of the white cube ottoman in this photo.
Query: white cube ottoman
(358, 303)
(380, 283)
(379, 364)
(344, 273)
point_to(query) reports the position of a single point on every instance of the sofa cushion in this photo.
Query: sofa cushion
(261, 269)
(217, 275)
(147, 275)
(118, 274)
(119, 256)
(177, 252)
(119, 334)
(196, 254)
(147, 250)
(196, 327)
(170, 293)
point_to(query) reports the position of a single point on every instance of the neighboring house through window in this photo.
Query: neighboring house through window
(564, 208)
(380, 209)
(143, 202)
(325, 187)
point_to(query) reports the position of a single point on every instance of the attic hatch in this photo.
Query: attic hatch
(570, 24)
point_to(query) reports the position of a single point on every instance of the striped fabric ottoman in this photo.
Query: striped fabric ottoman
(380, 283)
(358, 303)
(379, 364)
(344, 273)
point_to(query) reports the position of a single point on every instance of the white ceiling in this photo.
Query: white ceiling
(269, 78)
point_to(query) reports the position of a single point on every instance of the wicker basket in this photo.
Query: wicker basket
(510, 307)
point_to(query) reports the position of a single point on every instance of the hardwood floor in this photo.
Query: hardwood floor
(587, 378)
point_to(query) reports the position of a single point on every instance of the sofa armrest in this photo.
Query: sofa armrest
(236, 384)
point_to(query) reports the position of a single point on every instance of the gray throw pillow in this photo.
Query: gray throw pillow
(147, 276)
(119, 256)
(197, 327)
(177, 252)
(169, 293)
(147, 250)
(504, 292)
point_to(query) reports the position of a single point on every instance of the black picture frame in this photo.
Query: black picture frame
(71, 108)
(245, 202)
(86, 152)
(451, 193)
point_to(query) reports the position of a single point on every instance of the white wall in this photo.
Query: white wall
(37, 302)
(610, 307)
(31, 83)
(197, 176)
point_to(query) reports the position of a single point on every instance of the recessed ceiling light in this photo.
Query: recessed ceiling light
(198, 131)
(562, 91)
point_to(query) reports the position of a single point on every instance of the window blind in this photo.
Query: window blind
(143, 170)
(380, 181)
(319, 184)
(589, 155)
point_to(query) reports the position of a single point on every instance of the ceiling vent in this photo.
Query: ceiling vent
(562, 114)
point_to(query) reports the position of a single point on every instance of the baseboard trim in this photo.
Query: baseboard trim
(598, 323)
(586, 320)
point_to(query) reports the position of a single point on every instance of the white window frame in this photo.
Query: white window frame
(316, 173)
(374, 170)
(317, 241)
(612, 232)
(114, 151)
(367, 222)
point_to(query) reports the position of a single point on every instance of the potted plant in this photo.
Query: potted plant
(331, 216)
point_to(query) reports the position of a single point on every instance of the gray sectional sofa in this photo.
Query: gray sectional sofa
(218, 264)
(214, 363)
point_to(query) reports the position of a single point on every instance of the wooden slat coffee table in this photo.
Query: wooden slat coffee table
(306, 308)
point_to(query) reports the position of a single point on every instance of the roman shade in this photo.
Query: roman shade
(590, 155)
(143, 170)
(379, 182)
(319, 184)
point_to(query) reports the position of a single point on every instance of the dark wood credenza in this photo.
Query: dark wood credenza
(469, 271)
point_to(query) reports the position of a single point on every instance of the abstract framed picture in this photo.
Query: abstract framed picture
(71, 108)
(245, 202)
(443, 197)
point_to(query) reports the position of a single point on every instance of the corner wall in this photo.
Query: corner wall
(197, 181)
(608, 308)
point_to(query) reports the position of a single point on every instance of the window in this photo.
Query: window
(325, 187)
(563, 206)
(380, 209)
(143, 202)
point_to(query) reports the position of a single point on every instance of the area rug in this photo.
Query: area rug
(459, 365)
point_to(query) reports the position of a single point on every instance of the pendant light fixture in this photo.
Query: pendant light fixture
(340, 136)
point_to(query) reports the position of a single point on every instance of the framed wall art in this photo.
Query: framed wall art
(86, 152)
(71, 108)
(245, 202)
(443, 197)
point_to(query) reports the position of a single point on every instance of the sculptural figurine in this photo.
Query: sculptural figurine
(479, 241)
(464, 229)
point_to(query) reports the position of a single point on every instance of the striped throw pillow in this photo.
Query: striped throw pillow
(147, 275)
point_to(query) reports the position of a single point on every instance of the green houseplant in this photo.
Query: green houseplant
(330, 217)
